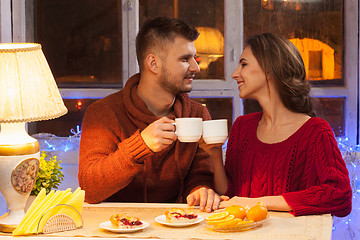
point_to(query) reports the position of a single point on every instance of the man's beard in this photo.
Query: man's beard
(170, 86)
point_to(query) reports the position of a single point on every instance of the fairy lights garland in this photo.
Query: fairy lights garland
(51, 143)
(348, 227)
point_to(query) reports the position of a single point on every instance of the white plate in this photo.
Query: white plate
(162, 220)
(108, 226)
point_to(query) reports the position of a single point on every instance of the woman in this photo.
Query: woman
(284, 156)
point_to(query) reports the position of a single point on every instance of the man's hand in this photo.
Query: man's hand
(205, 197)
(159, 134)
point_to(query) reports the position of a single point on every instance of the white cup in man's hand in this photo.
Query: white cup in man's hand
(215, 131)
(188, 129)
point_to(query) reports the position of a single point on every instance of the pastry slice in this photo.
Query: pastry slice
(123, 221)
(177, 215)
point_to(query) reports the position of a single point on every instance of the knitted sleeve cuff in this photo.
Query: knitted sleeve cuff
(297, 203)
(137, 148)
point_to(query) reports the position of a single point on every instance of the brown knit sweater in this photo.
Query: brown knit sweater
(115, 163)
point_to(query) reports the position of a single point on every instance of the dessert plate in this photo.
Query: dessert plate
(162, 220)
(109, 227)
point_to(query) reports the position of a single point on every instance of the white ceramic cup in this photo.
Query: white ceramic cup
(188, 129)
(215, 131)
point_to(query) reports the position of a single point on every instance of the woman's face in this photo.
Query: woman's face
(250, 77)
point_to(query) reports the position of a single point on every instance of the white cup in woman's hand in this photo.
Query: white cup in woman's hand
(215, 131)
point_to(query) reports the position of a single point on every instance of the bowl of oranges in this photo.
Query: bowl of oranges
(237, 218)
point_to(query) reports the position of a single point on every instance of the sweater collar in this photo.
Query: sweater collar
(135, 106)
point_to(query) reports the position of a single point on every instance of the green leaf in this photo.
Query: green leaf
(50, 175)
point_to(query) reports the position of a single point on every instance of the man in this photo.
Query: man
(129, 151)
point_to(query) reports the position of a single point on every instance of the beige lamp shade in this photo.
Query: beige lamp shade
(28, 89)
(210, 42)
(28, 92)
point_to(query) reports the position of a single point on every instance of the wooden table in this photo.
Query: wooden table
(280, 225)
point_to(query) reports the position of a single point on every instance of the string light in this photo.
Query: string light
(51, 143)
(78, 104)
(347, 226)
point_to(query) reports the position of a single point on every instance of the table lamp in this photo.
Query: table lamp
(209, 45)
(28, 93)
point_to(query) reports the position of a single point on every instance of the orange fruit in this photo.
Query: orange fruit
(217, 216)
(236, 210)
(230, 223)
(245, 222)
(257, 213)
(220, 221)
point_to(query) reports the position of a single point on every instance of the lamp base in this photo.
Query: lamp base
(7, 228)
(19, 166)
(17, 176)
(13, 217)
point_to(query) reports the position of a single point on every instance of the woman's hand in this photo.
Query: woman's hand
(242, 201)
(276, 203)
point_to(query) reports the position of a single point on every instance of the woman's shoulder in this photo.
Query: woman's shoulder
(314, 129)
(317, 124)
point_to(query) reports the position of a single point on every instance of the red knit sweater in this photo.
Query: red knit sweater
(307, 169)
(115, 164)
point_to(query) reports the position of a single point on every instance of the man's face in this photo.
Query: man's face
(178, 66)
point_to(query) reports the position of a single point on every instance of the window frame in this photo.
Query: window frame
(350, 90)
(17, 25)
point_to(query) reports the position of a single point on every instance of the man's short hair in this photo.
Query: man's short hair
(156, 32)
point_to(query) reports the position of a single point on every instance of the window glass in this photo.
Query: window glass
(219, 108)
(81, 40)
(208, 17)
(332, 109)
(315, 28)
(62, 126)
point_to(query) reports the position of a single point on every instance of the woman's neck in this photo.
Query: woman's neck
(278, 123)
(274, 111)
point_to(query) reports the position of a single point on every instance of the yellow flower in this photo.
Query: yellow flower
(50, 175)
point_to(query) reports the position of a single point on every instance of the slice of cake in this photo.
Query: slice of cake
(123, 221)
(177, 215)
